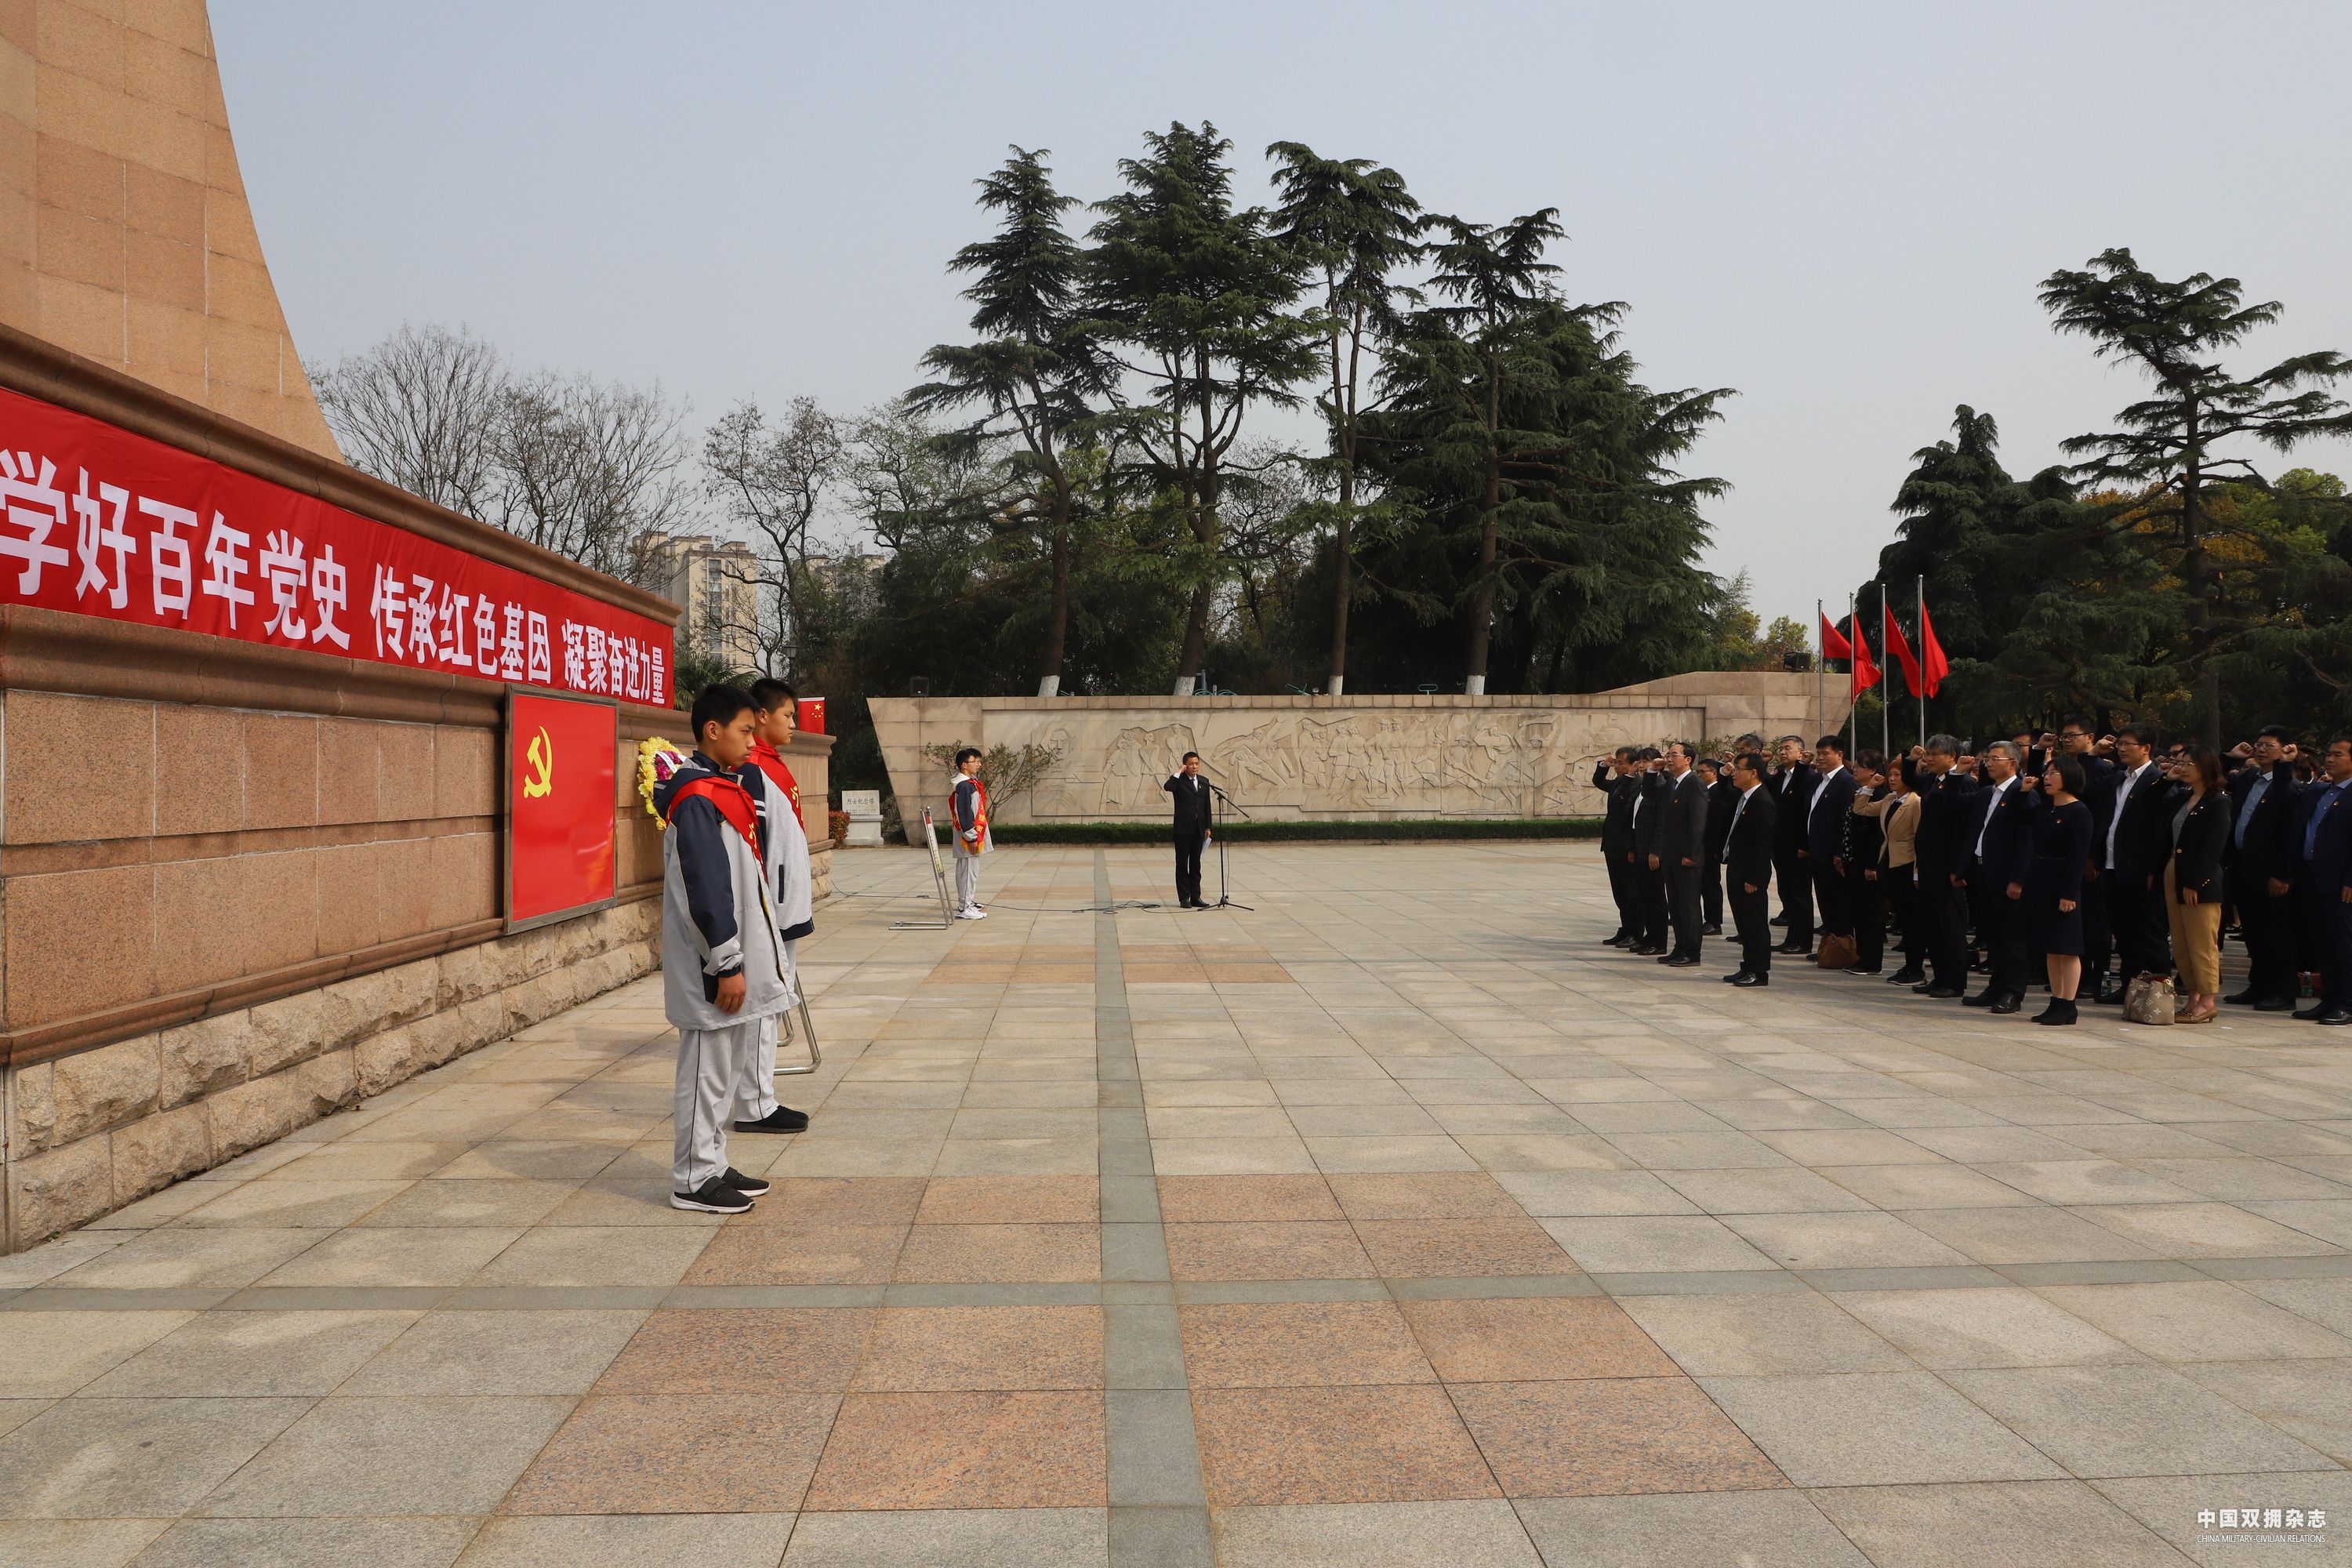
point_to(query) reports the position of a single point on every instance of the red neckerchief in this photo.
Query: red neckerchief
(733, 801)
(772, 764)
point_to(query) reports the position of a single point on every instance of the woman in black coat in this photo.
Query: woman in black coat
(2054, 884)
(2192, 883)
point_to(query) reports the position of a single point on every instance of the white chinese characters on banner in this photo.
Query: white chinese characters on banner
(99, 522)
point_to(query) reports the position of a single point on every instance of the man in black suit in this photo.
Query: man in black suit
(1192, 795)
(1649, 833)
(1747, 839)
(1947, 811)
(1827, 804)
(2262, 856)
(1681, 842)
(1792, 790)
(1999, 853)
(2323, 881)
(1716, 775)
(1614, 777)
(2133, 855)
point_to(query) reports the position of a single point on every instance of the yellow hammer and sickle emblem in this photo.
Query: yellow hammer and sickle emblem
(540, 754)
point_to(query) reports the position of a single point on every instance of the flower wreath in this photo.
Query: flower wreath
(657, 762)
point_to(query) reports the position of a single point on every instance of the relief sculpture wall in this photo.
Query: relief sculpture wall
(1355, 757)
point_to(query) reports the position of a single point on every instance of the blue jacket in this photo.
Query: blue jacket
(716, 916)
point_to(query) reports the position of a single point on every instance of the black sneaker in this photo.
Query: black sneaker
(750, 1186)
(783, 1119)
(714, 1197)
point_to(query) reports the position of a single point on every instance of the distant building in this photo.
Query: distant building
(716, 583)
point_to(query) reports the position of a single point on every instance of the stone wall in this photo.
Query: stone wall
(93, 1131)
(1347, 758)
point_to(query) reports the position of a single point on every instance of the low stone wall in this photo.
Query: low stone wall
(1335, 759)
(94, 1131)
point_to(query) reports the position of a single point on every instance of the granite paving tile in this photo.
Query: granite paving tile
(1525, 1339)
(52, 1354)
(1273, 1249)
(1288, 1446)
(976, 1253)
(1185, 1200)
(625, 1541)
(687, 1350)
(1973, 1328)
(964, 1450)
(1291, 1345)
(2132, 1420)
(229, 1355)
(2018, 1524)
(1374, 1535)
(131, 1458)
(665, 1453)
(1009, 1200)
(558, 1350)
(963, 1537)
(1613, 1436)
(839, 1200)
(1875, 1429)
(1771, 1333)
(1778, 1529)
(310, 1544)
(791, 1253)
(913, 1348)
(1423, 1196)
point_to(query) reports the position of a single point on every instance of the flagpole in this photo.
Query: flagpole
(1853, 630)
(1919, 654)
(1886, 682)
(1820, 674)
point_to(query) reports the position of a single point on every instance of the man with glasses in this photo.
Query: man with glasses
(2133, 853)
(2324, 881)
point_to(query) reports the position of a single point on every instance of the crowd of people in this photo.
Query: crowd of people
(2073, 861)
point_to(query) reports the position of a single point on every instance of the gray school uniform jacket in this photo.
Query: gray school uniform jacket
(717, 917)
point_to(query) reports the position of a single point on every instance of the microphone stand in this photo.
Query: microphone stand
(1217, 831)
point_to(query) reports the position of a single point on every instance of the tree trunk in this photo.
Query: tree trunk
(1482, 604)
(1196, 637)
(1057, 615)
(2197, 581)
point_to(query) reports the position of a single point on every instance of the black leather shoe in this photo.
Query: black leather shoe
(2311, 1014)
(2242, 999)
(1710, 931)
(1943, 993)
(2276, 1004)
(1750, 982)
(1779, 920)
(1683, 960)
(2009, 1004)
(1647, 952)
(1981, 999)
(783, 1119)
(2335, 1015)
(1736, 977)
(1923, 988)
(1906, 975)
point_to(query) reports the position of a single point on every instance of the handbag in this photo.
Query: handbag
(1838, 952)
(2148, 999)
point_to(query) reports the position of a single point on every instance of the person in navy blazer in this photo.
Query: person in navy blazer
(1829, 798)
(2323, 879)
(2001, 851)
(2261, 857)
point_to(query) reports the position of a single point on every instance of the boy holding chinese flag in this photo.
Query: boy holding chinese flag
(723, 973)
(786, 860)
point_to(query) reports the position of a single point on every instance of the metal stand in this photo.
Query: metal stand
(1217, 831)
(808, 1027)
(939, 881)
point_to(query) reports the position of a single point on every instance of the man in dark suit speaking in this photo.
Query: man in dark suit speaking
(1748, 844)
(1191, 792)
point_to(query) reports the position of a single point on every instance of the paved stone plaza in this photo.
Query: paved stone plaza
(1398, 1222)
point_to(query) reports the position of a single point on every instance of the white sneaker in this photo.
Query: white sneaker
(969, 913)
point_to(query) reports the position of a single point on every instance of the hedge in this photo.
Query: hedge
(1263, 832)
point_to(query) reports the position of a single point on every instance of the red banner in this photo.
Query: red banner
(99, 522)
(561, 756)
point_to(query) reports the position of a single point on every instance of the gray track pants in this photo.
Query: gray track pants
(967, 870)
(755, 1085)
(710, 1064)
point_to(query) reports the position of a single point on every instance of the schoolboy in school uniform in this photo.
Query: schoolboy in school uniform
(785, 843)
(723, 974)
(968, 803)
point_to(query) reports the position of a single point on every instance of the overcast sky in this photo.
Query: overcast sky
(1840, 211)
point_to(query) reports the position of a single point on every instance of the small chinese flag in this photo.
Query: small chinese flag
(1865, 673)
(1833, 643)
(1932, 665)
(1902, 652)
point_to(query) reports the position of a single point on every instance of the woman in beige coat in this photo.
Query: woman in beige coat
(1898, 814)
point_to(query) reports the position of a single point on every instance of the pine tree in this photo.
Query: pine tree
(1200, 293)
(1035, 367)
(2169, 446)
(1350, 224)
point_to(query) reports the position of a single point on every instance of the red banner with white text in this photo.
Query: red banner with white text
(99, 522)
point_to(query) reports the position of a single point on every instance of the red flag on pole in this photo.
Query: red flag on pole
(1932, 665)
(1834, 645)
(1865, 673)
(1902, 652)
